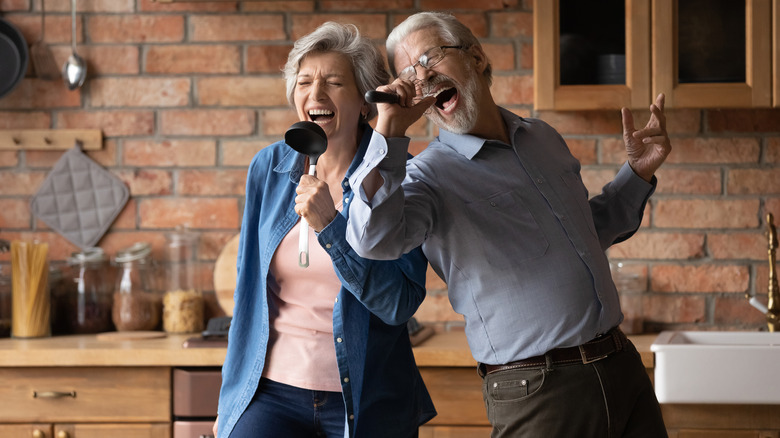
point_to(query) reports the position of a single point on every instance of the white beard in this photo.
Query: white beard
(464, 118)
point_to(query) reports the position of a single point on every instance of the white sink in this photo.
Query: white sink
(717, 367)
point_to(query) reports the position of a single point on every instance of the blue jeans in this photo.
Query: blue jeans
(279, 410)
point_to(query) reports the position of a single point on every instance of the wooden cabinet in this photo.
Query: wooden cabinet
(85, 402)
(699, 53)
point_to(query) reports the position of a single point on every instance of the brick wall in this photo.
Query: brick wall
(186, 93)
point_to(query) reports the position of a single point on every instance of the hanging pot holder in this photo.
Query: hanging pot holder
(79, 198)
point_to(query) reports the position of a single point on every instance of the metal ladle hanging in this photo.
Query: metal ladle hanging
(75, 69)
(309, 139)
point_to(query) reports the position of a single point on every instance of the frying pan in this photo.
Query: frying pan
(14, 56)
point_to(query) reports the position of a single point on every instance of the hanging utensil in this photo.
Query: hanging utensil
(309, 139)
(75, 69)
(43, 60)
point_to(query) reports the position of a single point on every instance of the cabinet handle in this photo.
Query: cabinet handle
(53, 394)
(37, 433)
(63, 434)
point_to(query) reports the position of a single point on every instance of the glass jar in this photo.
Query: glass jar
(631, 284)
(137, 305)
(87, 302)
(5, 303)
(183, 299)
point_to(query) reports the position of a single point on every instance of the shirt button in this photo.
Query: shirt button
(346, 379)
(337, 299)
(346, 200)
(346, 184)
(381, 151)
(492, 204)
(328, 245)
(351, 417)
(339, 340)
(539, 180)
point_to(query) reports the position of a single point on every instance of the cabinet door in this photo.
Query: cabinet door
(26, 431)
(712, 53)
(159, 430)
(575, 52)
(776, 51)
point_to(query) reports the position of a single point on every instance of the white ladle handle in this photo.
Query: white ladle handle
(303, 237)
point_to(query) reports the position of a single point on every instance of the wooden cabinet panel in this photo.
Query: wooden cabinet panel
(457, 395)
(74, 394)
(454, 432)
(113, 430)
(25, 430)
(776, 52)
(726, 434)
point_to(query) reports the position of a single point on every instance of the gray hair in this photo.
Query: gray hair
(452, 31)
(367, 63)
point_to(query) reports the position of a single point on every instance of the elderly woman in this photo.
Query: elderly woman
(323, 350)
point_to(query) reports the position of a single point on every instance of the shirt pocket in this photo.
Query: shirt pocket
(506, 230)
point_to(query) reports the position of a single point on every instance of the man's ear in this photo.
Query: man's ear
(480, 58)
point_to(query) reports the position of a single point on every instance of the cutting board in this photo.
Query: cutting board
(225, 275)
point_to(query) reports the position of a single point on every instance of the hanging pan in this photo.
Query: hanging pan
(14, 56)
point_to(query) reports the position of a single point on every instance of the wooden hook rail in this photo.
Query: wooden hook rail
(50, 139)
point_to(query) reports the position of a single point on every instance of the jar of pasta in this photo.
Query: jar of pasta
(183, 305)
(137, 304)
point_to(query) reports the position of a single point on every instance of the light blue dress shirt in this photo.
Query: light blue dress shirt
(509, 228)
(384, 395)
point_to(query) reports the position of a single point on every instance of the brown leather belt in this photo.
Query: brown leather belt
(591, 351)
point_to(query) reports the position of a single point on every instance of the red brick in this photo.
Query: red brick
(276, 122)
(501, 56)
(702, 213)
(58, 27)
(267, 58)
(613, 150)
(136, 28)
(747, 120)
(486, 5)
(700, 278)
(240, 152)
(241, 91)
(737, 311)
(595, 179)
(773, 150)
(674, 309)
(365, 5)
(14, 5)
(526, 56)
(753, 181)
(676, 180)
(183, 153)
(126, 218)
(255, 27)
(91, 6)
(372, 26)
(33, 93)
(211, 182)
(59, 248)
(42, 158)
(513, 90)
(25, 120)
(117, 240)
(476, 21)
(742, 246)
(511, 24)
(147, 181)
(107, 156)
(678, 121)
(143, 92)
(583, 122)
(207, 122)
(279, 6)
(417, 146)
(112, 123)
(20, 182)
(104, 59)
(669, 246)
(193, 58)
(9, 158)
(714, 150)
(15, 213)
(771, 205)
(209, 213)
(219, 6)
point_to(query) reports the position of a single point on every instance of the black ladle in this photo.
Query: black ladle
(309, 139)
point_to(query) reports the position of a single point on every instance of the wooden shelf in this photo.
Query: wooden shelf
(50, 139)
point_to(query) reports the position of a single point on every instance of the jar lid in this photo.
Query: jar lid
(182, 236)
(137, 251)
(89, 255)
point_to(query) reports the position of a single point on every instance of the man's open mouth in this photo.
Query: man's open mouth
(446, 97)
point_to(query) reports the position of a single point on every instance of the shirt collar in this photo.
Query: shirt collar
(469, 145)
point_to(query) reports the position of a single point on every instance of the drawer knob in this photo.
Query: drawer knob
(37, 433)
(63, 434)
(53, 394)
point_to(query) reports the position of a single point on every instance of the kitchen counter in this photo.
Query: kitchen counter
(445, 349)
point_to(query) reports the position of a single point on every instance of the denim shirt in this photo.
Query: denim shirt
(384, 395)
(510, 229)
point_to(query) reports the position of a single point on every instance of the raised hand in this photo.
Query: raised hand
(314, 202)
(647, 148)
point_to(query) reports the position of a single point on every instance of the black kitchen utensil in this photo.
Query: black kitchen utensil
(309, 139)
(373, 96)
(14, 56)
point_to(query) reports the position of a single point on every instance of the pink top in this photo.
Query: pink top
(300, 347)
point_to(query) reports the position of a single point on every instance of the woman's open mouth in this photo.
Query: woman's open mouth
(320, 115)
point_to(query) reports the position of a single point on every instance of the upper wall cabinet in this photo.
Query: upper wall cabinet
(699, 53)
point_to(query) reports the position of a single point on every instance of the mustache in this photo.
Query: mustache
(428, 87)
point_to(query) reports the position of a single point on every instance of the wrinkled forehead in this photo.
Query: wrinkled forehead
(409, 50)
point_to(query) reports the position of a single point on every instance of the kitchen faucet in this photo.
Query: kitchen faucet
(772, 309)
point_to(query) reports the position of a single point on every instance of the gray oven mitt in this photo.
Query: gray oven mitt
(79, 198)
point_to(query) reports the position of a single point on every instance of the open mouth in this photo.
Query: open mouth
(445, 98)
(320, 115)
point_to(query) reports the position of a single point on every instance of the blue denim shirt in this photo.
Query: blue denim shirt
(383, 392)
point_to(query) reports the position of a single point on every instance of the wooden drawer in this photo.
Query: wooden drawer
(95, 394)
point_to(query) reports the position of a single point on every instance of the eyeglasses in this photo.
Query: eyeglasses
(430, 58)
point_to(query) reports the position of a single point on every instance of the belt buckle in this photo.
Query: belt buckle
(585, 359)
